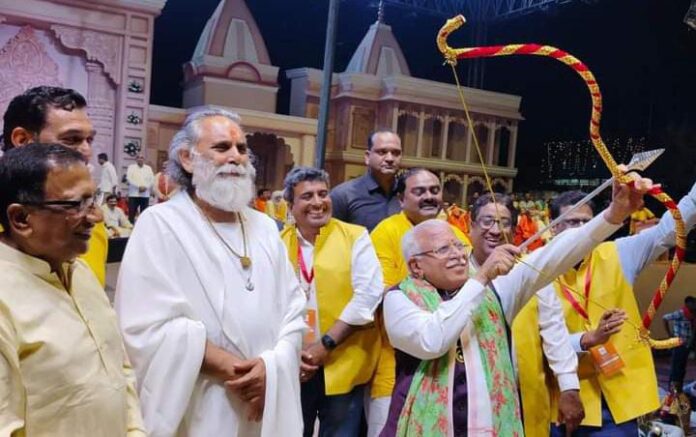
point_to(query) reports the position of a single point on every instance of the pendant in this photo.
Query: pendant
(246, 261)
(249, 285)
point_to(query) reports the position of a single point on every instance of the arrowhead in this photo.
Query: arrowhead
(641, 161)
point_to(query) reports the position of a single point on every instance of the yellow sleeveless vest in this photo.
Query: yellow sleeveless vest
(630, 393)
(96, 254)
(633, 391)
(535, 378)
(353, 361)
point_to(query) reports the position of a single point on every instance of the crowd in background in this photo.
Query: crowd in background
(374, 300)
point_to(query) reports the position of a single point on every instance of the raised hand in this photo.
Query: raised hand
(627, 198)
(500, 262)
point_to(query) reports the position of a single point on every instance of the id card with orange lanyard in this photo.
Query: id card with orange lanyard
(605, 357)
(311, 315)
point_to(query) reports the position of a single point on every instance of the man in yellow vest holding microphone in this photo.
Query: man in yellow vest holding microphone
(338, 269)
(617, 375)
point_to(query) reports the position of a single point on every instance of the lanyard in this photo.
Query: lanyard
(582, 311)
(308, 277)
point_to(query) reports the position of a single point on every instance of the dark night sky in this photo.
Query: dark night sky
(642, 53)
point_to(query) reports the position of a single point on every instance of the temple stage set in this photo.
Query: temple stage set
(103, 49)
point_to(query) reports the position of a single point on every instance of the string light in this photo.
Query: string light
(577, 163)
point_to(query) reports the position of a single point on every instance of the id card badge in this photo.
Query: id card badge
(311, 320)
(606, 359)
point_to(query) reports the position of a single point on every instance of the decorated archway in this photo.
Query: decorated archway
(452, 188)
(273, 159)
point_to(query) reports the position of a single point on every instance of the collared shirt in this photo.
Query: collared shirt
(137, 177)
(64, 371)
(681, 326)
(109, 179)
(361, 201)
(366, 277)
(97, 253)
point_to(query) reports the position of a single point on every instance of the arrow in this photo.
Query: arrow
(639, 161)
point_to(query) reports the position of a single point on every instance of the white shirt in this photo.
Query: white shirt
(366, 277)
(637, 251)
(109, 179)
(179, 287)
(138, 176)
(115, 218)
(558, 350)
(429, 335)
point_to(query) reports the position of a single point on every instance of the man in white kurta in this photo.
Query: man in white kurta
(140, 179)
(183, 291)
(474, 404)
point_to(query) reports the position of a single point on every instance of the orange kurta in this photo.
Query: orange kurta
(459, 218)
(525, 229)
(260, 204)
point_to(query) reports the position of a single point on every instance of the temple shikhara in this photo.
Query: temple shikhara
(191, 245)
(103, 49)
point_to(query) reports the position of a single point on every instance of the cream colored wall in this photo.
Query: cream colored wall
(230, 93)
(684, 284)
(353, 171)
(299, 133)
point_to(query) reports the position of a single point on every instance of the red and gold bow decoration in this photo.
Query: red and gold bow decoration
(452, 55)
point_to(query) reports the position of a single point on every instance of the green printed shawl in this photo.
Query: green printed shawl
(425, 409)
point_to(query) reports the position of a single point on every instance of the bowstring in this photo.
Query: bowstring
(487, 178)
(489, 185)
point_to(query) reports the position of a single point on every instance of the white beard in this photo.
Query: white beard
(216, 187)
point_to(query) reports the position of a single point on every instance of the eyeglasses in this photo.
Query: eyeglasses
(487, 222)
(451, 248)
(574, 223)
(72, 207)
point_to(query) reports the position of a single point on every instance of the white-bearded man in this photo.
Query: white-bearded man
(209, 305)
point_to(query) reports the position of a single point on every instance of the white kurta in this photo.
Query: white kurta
(178, 287)
(428, 335)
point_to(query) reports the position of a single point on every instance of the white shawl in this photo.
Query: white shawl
(178, 287)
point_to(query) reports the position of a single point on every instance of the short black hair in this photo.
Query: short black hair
(568, 198)
(500, 198)
(384, 130)
(29, 109)
(103, 156)
(111, 196)
(23, 173)
(302, 174)
(261, 191)
(406, 174)
(689, 299)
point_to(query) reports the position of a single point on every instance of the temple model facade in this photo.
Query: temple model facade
(103, 49)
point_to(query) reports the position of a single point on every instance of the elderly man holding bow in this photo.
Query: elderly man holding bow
(450, 330)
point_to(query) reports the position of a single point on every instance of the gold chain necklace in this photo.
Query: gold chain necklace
(244, 258)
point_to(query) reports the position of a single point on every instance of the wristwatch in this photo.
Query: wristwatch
(328, 342)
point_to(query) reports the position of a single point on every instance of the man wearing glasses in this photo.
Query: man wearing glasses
(448, 324)
(492, 226)
(57, 115)
(420, 196)
(604, 280)
(63, 369)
